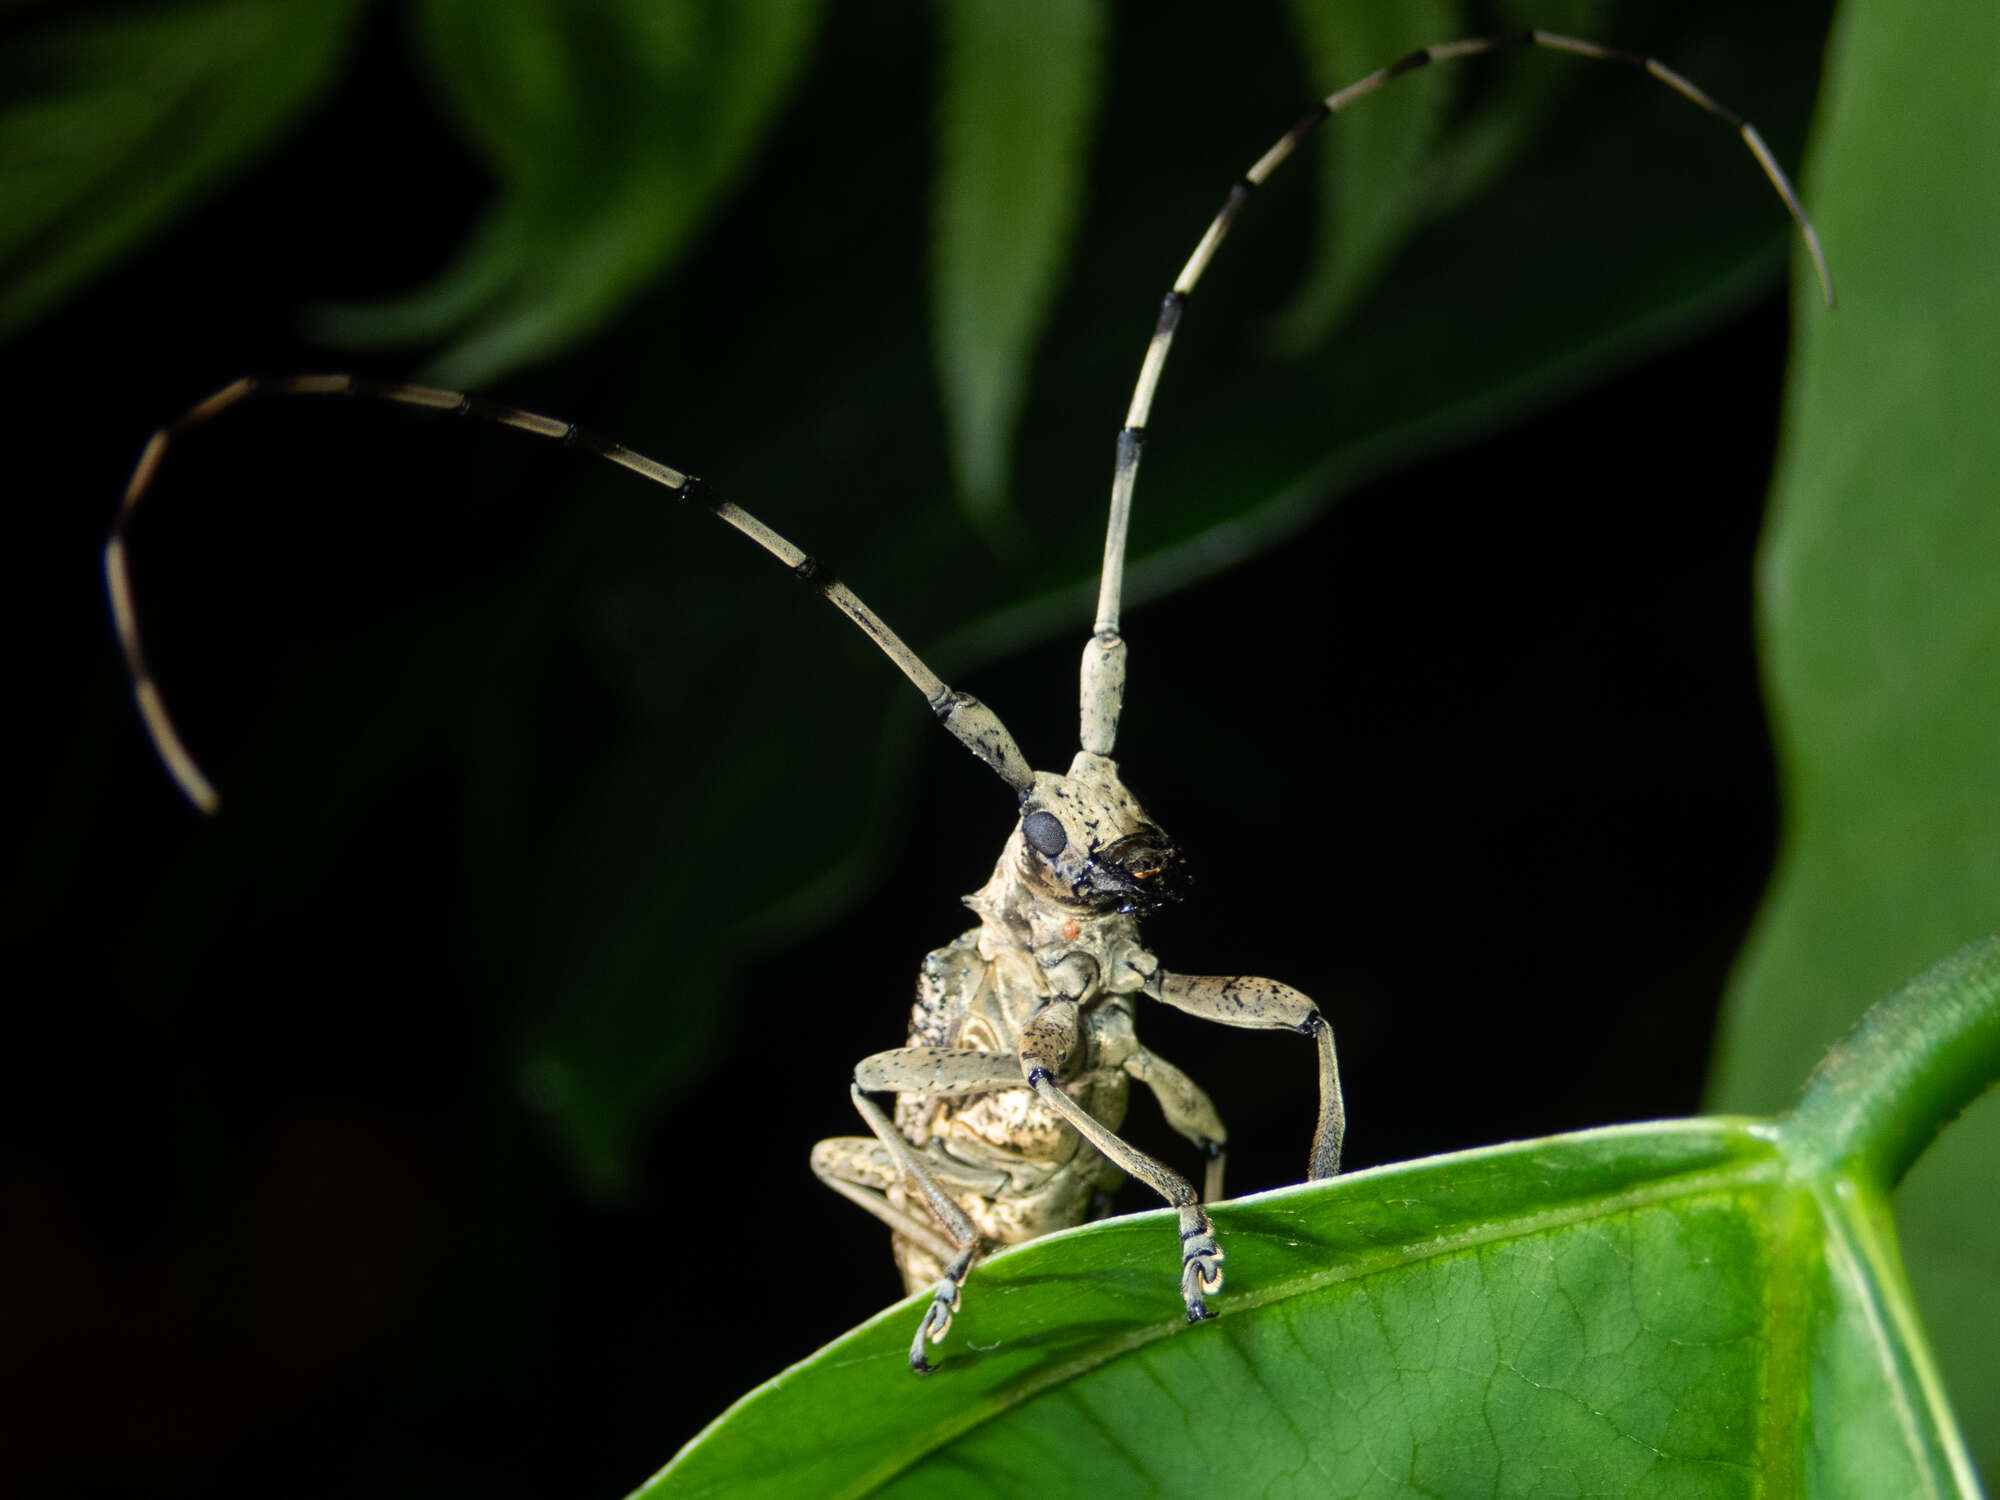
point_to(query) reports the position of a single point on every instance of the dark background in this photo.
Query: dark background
(1477, 760)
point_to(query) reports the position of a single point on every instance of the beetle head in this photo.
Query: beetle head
(1087, 842)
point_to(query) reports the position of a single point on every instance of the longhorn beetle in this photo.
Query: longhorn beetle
(1022, 1048)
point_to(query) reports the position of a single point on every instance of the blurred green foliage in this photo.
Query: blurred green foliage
(1881, 620)
(1414, 154)
(1019, 86)
(613, 129)
(115, 122)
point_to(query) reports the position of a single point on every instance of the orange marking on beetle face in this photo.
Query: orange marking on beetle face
(1070, 930)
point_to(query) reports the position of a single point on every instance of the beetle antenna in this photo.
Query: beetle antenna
(975, 725)
(1103, 692)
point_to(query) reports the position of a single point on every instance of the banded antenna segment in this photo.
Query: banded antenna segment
(1104, 656)
(976, 726)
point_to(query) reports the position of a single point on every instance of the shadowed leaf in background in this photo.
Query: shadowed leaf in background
(116, 125)
(614, 129)
(1019, 87)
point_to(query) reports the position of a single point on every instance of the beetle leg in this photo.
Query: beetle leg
(862, 1172)
(1045, 1042)
(1188, 1110)
(958, 1228)
(936, 1071)
(944, 1302)
(913, 1166)
(1267, 1005)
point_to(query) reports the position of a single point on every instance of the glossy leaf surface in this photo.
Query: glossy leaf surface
(1881, 622)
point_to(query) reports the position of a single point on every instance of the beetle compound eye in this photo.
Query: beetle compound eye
(1045, 831)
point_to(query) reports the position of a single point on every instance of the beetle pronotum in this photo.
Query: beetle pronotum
(1012, 1088)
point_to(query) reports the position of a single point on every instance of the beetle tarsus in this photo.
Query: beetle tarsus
(1201, 1269)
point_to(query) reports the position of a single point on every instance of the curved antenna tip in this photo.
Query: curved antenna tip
(1778, 180)
(180, 765)
(1825, 280)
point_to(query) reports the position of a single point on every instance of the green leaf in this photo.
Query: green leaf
(1393, 167)
(1693, 1308)
(117, 121)
(1372, 180)
(614, 127)
(1880, 619)
(1018, 93)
